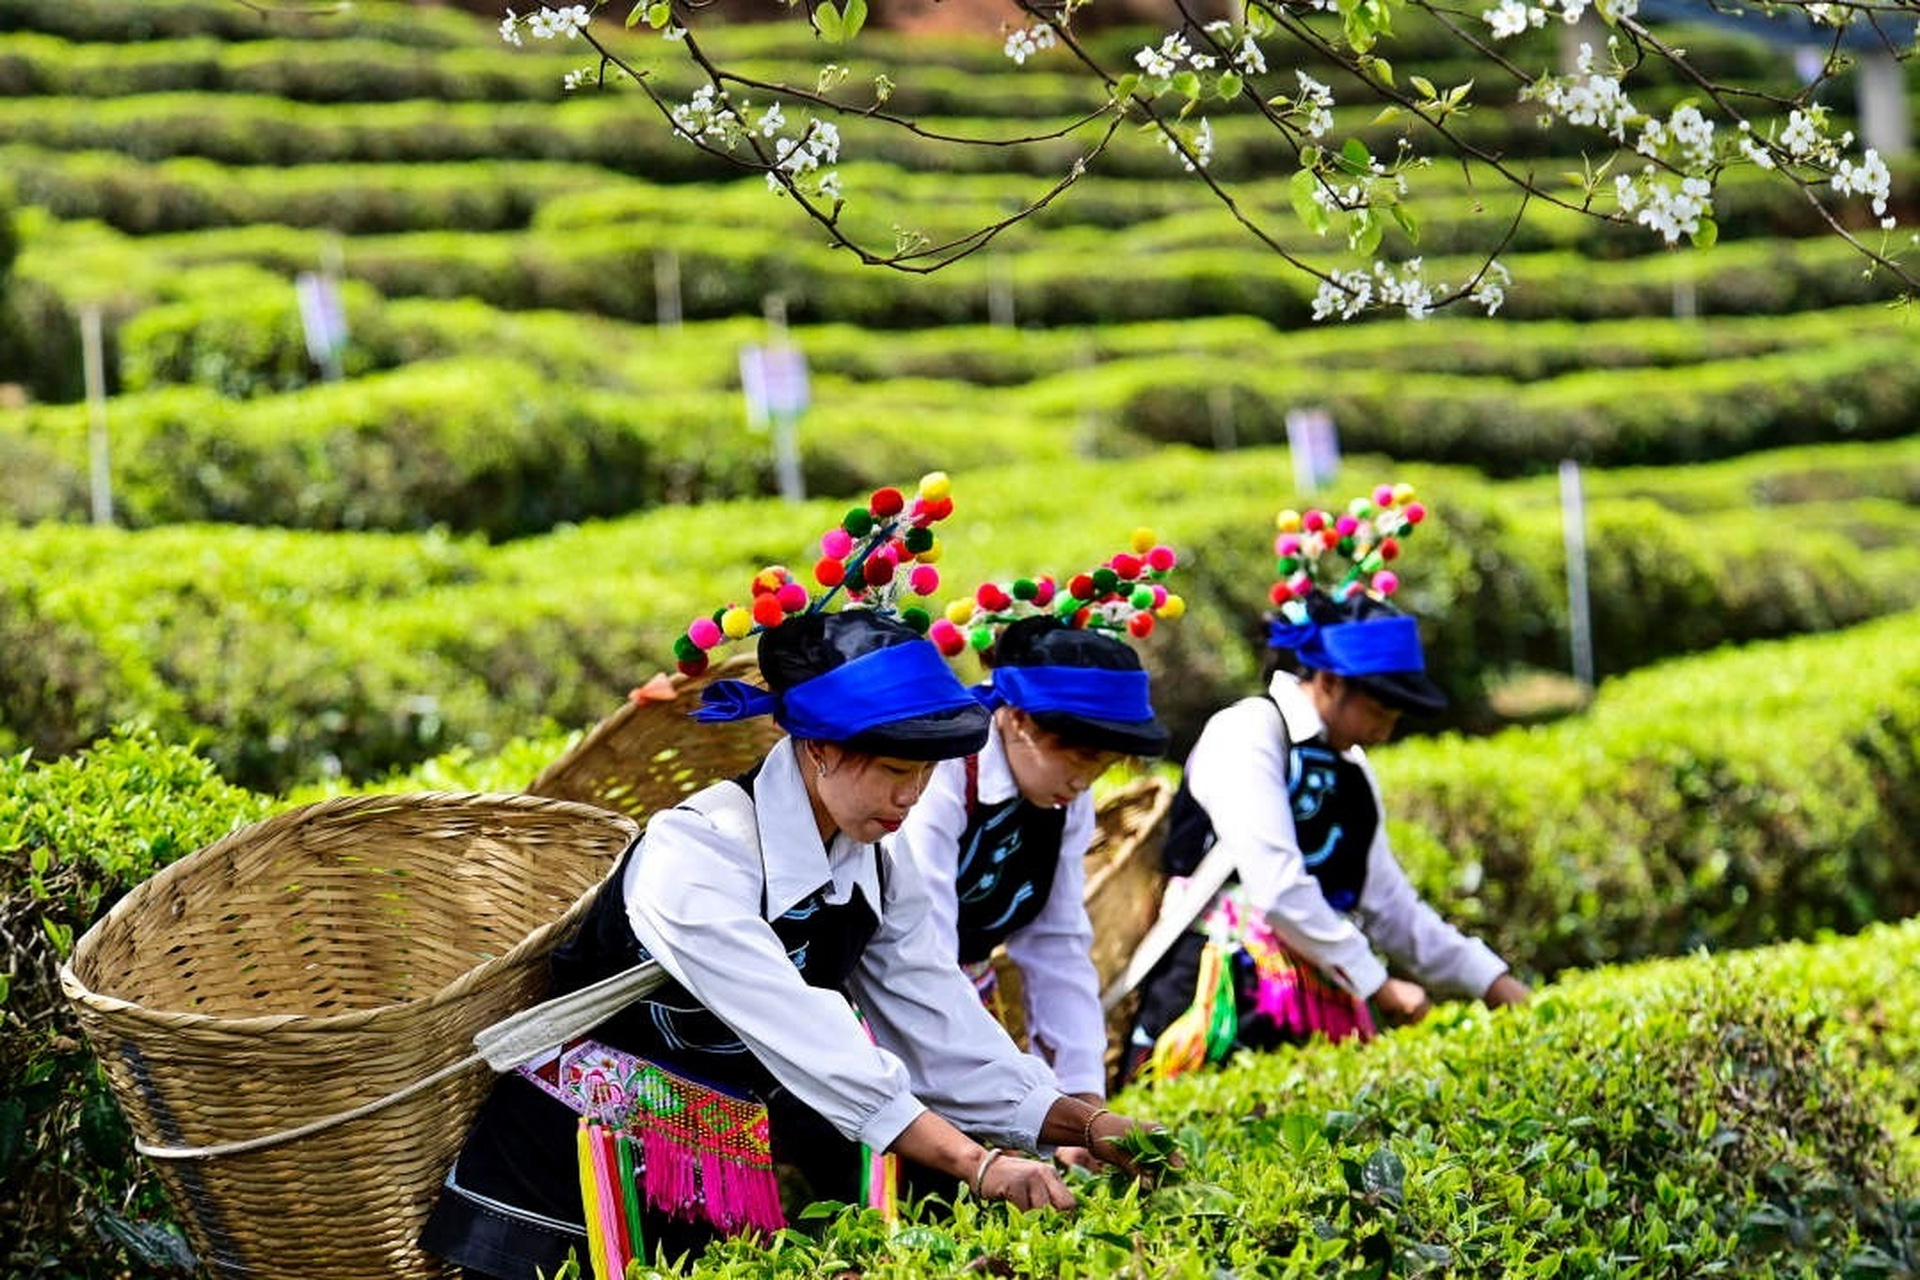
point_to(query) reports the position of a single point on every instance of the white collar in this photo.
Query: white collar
(995, 783)
(796, 861)
(1290, 694)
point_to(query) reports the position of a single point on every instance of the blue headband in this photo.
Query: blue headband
(1376, 646)
(1092, 693)
(900, 682)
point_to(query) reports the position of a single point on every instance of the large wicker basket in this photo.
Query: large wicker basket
(334, 956)
(649, 755)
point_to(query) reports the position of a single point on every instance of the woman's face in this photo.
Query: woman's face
(866, 797)
(1353, 718)
(1048, 771)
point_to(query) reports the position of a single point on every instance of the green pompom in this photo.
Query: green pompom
(1285, 566)
(1025, 589)
(685, 649)
(917, 618)
(858, 522)
(1142, 598)
(1345, 546)
(919, 539)
(1105, 580)
(981, 637)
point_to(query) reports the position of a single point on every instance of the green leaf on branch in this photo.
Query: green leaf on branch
(1707, 234)
(1355, 158)
(659, 14)
(1305, 190)
(1405, 219)
(826, 20)
(853, 18)
(1423, 86)
(1187, 85)
(1363, 235)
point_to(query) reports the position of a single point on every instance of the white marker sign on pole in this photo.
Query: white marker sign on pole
(1314, 443)
(774, 380)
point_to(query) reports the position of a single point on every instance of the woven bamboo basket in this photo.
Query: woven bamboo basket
(1124, 883)
(333, 959)
(649, 755)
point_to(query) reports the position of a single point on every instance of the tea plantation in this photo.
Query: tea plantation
(436, 569)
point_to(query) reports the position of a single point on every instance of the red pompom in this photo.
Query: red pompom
(766, 610)
(878, 570)
(887, 502)
(946, 637)
(1080, 617)
(1141, 624)
(1127, 566)
(991, 598)
(1080, 586)
(1389, 548)
(829, 572)
(938, 509)
(692, 666)
(1281, 593)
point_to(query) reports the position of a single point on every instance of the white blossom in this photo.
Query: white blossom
(1656, 203)
(510, 29)
(1688, 132)
(1199, 147)
(1491, 291)
(1316, 100)
(771, 121)
(1027, 41)
(1164, 61)
(1347, 293)
(568, 21)
(1753, 150)
(1586, 98)
(1249, 58)
(1869, 178)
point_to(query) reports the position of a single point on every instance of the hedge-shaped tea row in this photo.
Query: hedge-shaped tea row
(272, 645)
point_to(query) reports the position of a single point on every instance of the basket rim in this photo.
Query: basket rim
(355, 1020)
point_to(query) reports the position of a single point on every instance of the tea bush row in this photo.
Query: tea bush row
(273, 646)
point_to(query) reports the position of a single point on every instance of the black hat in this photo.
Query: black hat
(1087, 688)
(870, 683)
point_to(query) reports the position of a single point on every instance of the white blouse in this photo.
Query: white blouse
(694, 901)
(1238, 772)
(1054, 950)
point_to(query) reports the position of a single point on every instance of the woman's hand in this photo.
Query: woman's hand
(1401, 1003)
(1021, 1182)
(1505, 990)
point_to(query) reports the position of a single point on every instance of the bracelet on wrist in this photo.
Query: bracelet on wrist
(980, 1174)
(1086, 1132)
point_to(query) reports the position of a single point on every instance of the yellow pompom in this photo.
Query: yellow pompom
(935, 485)
(1142, 540)
(1173, 607)
(1288, 521)
(959, 611)
(736, 623)
(1402, 494)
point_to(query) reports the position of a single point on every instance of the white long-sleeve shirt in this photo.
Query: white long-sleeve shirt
(693, 898)
(1238, 772)
(1054, 951)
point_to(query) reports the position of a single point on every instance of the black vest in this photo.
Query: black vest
(1009, 854)
(669, 1025)
(1334, 818)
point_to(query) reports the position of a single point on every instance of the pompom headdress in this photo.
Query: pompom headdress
(892, 689)
(1335, 555)
(876, 554)
(1123, 597)
(1331, 596)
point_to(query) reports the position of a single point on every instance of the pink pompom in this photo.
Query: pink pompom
(1302, 585)
(792, 597)
(1383, 495)
(1314, 521)
(1386, 582)
(946, 637)
(1043, 592)
(836, 543)
(1345, 526)
(1287, 544)
(1161, 559)
(1159, 596)
(704, 632)
(924, 580)
(1416, 512)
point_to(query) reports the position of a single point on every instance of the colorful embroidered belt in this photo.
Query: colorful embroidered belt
(706, 1151)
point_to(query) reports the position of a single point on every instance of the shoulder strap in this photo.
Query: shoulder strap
(973, 785)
